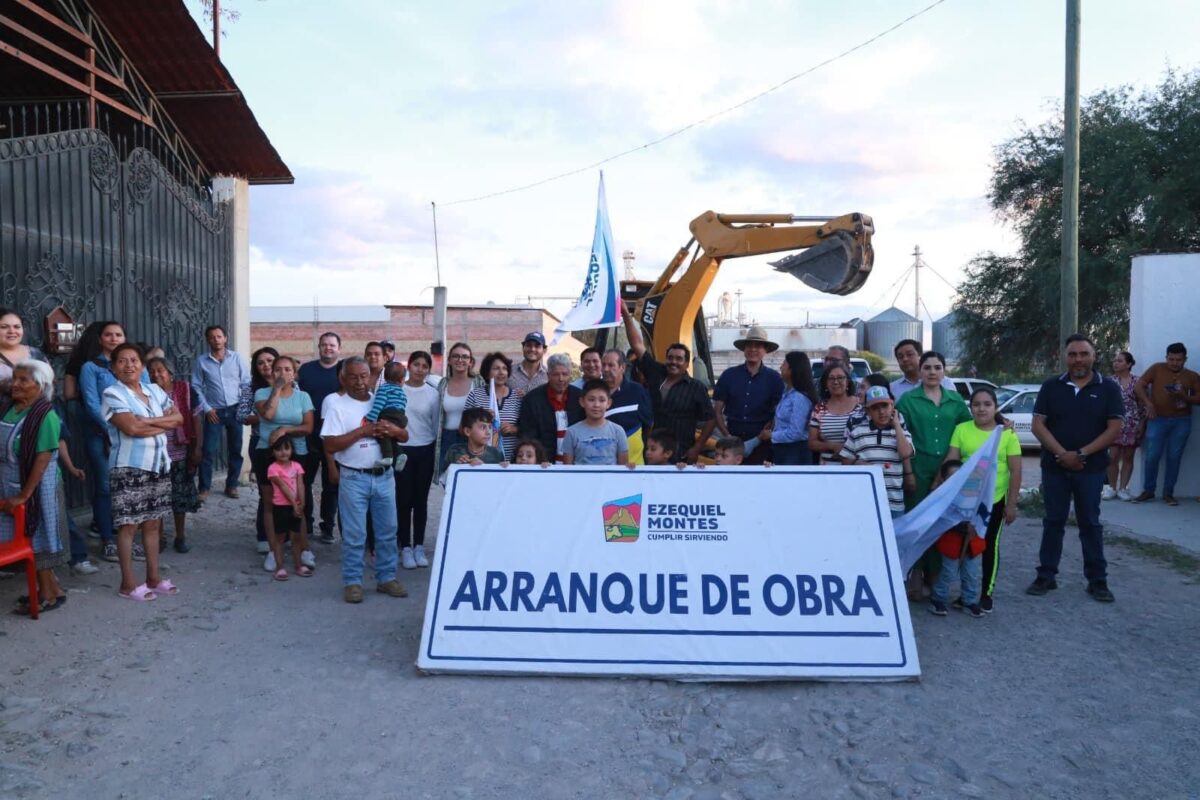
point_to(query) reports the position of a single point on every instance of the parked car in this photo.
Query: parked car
(1018, 406)
(858, 366)
(966, 386)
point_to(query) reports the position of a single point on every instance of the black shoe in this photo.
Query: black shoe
(975, 611)
(1099, 591)
(1144, 497)
(181, 546)
(937, 608)
(1041, 585)
(326, 537)
(957, 604)
(985, 603)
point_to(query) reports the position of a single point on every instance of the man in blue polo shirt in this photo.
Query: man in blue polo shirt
(1076, 417)
(745, 396)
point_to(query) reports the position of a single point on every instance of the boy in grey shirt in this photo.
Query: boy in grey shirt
(595, 440)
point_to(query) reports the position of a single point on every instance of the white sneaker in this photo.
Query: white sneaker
(269, 564)
(84, 567)
(308, 559)
(1125, 495)
(406, 558)
(263, 548)
(419, 556)
(1109, 493)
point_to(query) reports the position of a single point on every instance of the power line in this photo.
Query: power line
(885, 292)
(703, 120)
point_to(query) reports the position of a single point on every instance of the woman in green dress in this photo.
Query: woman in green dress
(931, 414)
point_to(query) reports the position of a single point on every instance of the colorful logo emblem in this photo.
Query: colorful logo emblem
(622, 519)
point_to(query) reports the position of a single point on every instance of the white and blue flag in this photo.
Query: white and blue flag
(598, 302)
(966, 496)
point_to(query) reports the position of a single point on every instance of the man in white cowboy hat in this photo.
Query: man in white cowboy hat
(745, 397)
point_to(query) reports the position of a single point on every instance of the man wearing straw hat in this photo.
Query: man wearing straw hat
(745, 397)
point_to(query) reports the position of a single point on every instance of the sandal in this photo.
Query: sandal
(303, 571)
(43, 605)
(164, 587)
(142, 594)
(281, 574)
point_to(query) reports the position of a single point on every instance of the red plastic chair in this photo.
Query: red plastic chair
(20, 550)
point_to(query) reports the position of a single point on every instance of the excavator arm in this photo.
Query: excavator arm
(837, 258)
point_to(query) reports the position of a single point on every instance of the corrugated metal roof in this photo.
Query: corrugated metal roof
(170, 52)
(893, 314)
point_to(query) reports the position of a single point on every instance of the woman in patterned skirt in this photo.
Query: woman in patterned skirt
(139, 416)
(29, 431)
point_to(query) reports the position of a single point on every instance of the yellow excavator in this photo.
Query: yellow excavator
(836, 258)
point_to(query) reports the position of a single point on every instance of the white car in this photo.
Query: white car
(1016, 403)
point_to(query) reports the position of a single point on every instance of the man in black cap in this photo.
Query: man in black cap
(531, 372)
(389, 350)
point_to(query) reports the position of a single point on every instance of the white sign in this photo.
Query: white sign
(720, 573)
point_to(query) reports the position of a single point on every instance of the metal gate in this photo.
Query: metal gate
(108, 236)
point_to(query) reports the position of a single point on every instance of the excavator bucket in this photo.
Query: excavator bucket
(840, 264)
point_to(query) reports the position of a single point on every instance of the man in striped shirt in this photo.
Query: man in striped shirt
(882, 440)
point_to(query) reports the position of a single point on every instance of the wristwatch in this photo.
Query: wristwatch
(1081, 455)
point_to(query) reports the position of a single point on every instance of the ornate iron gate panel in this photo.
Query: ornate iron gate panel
(108, 238)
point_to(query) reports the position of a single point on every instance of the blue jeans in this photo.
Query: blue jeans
(358, 494)
(1059, 489)
(1169, 434)
(227, 422)
(98, 477)
(969, 572)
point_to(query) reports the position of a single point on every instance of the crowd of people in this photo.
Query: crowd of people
(378, 431)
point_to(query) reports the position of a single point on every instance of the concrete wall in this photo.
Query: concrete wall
(1164, 294)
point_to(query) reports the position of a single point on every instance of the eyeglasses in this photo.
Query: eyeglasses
(837, 379)
(460, 356)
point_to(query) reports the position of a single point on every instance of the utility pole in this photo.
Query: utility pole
(917, 281)
(1068, 320)
(216, 12)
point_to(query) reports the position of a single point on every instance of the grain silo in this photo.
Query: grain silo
(889, 327)
(947, 339)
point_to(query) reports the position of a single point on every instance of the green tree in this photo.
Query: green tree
(1139, 171)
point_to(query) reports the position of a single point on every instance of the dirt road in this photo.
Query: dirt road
(245, 687)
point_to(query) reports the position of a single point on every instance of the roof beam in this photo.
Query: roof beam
(198, 95)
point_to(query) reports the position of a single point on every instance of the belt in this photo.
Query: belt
(376, 471)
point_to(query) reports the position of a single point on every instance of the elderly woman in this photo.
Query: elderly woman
(183, 447)
(495, 370)
(283, 409)
(138, 416)
(12, 350)
(29, 430)
(413, 482)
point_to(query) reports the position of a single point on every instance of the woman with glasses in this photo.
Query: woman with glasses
(838, 402)
(452, 396)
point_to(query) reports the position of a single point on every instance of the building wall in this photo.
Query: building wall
(411, 328)
(1162, 309)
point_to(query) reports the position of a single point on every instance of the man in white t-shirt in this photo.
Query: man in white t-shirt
(362, 486)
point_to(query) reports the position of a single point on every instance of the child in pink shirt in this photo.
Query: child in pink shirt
(287, 507)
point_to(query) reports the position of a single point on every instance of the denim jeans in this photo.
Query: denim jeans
(360, 493)
(98, 470)
(1059, 489)
(969, 573)
(227, 423)
(1168, 434)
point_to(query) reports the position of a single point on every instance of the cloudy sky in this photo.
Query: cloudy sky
(380, 107)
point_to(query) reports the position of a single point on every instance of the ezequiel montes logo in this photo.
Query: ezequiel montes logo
(622, 519)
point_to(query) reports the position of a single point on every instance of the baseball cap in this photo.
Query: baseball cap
(534, 336)
(876, 395)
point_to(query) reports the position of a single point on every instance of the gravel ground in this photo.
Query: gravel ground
(245, 687)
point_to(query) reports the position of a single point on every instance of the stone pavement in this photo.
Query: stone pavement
(241, 686)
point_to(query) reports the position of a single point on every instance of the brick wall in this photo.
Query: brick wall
(411, 328)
